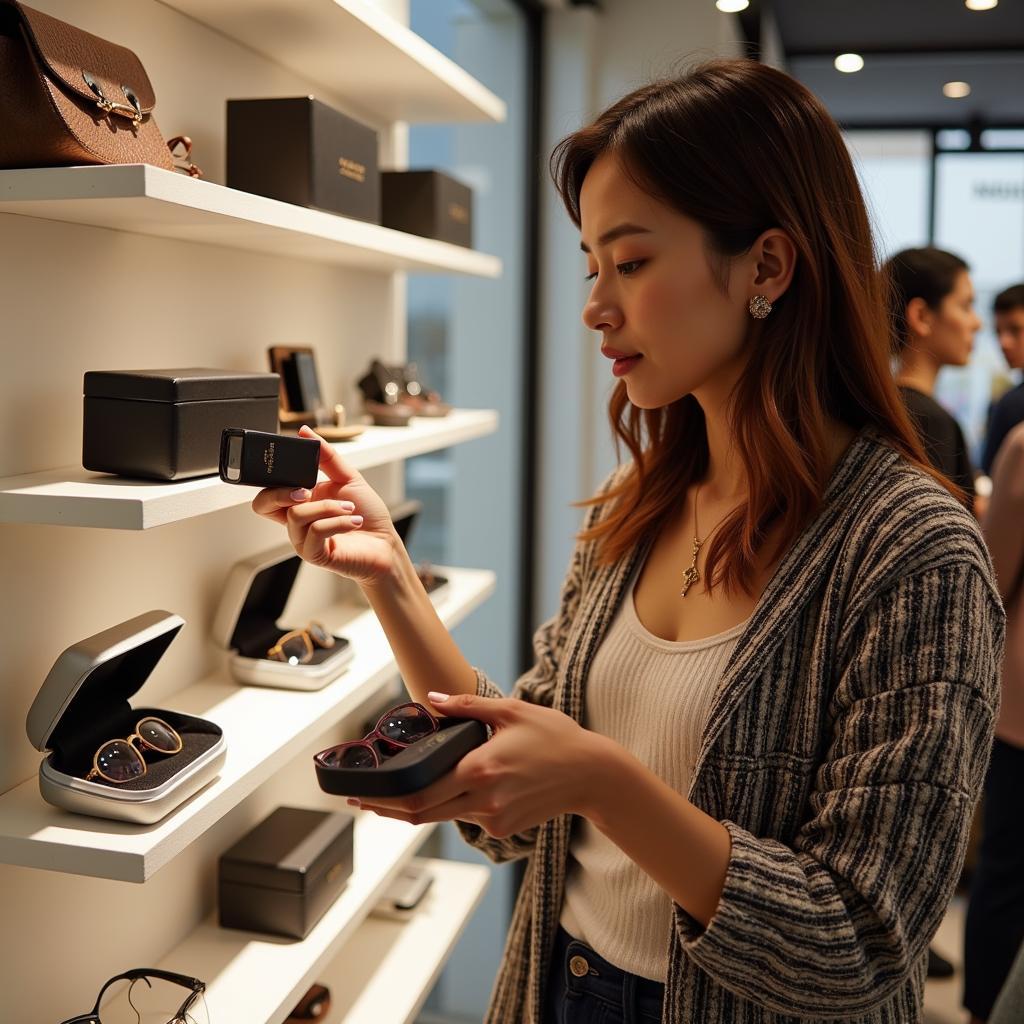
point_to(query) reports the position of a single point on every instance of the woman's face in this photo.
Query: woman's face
(955, 324)
(666, 324)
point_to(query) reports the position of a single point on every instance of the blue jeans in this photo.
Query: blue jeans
(583, 988)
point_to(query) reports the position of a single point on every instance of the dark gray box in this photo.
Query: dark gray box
(283, 875)
(428, 203)
(167, 424)
(302, 151)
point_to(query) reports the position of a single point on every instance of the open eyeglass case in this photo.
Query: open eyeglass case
(246, 624)
(85, 701)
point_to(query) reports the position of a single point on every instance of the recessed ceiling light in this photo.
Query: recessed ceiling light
(980, 5)
(956, 90)
(732, 6)
(849, 62)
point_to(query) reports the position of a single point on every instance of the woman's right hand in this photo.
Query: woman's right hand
(342, 525)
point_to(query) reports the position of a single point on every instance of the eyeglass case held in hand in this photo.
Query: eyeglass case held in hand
(413, 768)
(85, 701)
(254, 600)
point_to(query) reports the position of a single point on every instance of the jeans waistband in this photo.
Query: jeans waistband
(587, 971)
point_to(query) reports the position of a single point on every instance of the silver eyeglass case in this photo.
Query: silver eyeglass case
(246, 624)
(85, 701)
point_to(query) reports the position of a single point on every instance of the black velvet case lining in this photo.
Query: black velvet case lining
(256, 630)
(75, 756)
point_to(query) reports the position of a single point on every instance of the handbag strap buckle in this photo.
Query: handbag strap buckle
(132, 110)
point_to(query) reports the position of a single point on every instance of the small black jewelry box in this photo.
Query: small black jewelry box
(167, 424)
(283, 875)
(302, 151)
(427, 203)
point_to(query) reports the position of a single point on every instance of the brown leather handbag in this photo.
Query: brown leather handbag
(69, 97)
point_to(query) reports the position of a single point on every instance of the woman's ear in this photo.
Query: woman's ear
(774, 256)
(919, 318)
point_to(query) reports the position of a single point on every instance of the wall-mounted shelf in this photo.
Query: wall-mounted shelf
(148, 200)
(356, 50)
(264, 729)
(258, 979)
(75, 497)
(387, 969)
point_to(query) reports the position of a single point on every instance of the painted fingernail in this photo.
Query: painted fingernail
(357, 520)
(348, 506)
(437, 698)
(299, 495)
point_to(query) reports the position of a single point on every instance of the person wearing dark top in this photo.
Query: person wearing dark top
(1008, 311)
(942, 437)
(934, 324)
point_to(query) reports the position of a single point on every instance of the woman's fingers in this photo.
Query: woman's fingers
(301, 517)
(274, 502)
(316, 543)
(330, 461)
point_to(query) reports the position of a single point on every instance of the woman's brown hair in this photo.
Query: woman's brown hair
(740, 148)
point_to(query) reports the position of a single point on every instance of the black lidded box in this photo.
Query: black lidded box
(167, 424)
(283, 875)
(427, 203)
(302, 151)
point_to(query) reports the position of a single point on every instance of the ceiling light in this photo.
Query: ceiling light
(732, 6)
(956, 90)
(849, 62)
(980, 5)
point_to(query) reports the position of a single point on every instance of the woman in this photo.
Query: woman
(932, 304)
(745, 759)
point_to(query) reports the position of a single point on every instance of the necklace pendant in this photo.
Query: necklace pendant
(691, 576)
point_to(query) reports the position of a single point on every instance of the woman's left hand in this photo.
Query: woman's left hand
(536, 766)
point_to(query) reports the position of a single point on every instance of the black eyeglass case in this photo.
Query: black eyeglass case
(413, 768)
(85, 701)
(246, 625)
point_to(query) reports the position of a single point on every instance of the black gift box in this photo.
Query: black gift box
(283, 875)
(427, 203)
(302, 151)
(167, 424)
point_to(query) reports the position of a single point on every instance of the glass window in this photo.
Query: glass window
(979, 215)
(894, 169)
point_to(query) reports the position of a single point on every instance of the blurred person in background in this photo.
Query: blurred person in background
(995, 913)
(1008, 312)
(934, 325)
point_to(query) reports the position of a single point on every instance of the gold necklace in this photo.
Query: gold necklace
(692, 573)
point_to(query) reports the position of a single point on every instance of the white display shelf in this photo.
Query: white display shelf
(75, 497)
(355, 49)
(385, 972)
(264, 729)
(147, 200)
(257, 978)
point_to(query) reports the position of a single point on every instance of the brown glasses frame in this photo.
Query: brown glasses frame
(96, 772)
(276, 653)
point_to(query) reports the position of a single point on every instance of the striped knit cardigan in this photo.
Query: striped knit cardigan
(844, 753)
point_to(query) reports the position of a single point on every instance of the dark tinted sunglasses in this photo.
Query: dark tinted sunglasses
(397, 729)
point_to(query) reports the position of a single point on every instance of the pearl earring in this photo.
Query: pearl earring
(759, 307)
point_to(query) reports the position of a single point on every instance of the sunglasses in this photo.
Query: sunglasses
(296, 647)
(153, 1001)
(397, 729)
(121, 761)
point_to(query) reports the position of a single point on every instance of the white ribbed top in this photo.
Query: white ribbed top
(653, 697)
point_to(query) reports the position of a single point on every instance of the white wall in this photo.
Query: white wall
(77, 298)
(593, 58)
